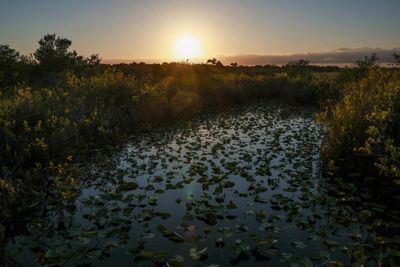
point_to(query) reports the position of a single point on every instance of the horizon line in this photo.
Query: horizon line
(339, 56)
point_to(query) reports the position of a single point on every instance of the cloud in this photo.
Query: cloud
(341, 56)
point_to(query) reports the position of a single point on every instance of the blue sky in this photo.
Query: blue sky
(148, 29)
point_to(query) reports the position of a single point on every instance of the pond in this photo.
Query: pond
(238, 188)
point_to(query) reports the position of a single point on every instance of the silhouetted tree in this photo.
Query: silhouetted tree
(11, 65)
(299, 68)
(299, 63)
(367, 62)
(212, 61)
(53, 55)
(396, 59)
(8, 55)
(94, 59)
(362, 67)
(234, 64)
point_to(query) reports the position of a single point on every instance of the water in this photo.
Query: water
(242, 187)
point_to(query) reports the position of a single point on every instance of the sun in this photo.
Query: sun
(187, 47)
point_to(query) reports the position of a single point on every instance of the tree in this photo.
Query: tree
(53, 55)
(299, 68)
(363, 66)
(8, 62)
(212, 61)
(94, 59)
(299, 63)
(367, 62)
(234, 64)
(396, 59)
(8, 55)
(215, 62)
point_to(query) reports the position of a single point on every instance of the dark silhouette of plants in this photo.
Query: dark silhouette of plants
(396, 59)
(53, 54)
(8, 60)
(8, 55)
(298, 68)
(13, 66)
(367, 62)
(212, 61)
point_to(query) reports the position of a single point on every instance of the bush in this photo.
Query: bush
(363, 127)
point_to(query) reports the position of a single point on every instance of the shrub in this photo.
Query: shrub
(364, 125)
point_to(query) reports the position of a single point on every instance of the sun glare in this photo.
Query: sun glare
(187, 47)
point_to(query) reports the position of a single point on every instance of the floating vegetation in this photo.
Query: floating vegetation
(241, 187)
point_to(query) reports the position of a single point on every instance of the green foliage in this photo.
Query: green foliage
(10, 65)
(40, 127)
(364, 124)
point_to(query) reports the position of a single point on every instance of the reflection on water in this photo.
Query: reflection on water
(238, 188)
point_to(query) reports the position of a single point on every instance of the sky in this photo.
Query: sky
(148, 29)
